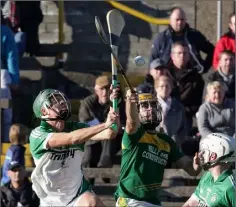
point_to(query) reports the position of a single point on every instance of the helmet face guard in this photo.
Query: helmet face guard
(60, 104)
(221, 145)
(149, 110)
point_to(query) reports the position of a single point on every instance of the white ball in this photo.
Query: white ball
(139, 61)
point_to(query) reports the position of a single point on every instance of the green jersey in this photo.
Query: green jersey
(144, 159)
(57, 177)
(219, 193)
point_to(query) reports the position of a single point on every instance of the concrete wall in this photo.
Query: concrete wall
(87, 53)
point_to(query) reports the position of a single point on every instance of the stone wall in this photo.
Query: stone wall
(88, 54)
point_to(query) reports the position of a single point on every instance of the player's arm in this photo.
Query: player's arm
(98, 132)
(192, 167)
(191, 202)
(132, 115)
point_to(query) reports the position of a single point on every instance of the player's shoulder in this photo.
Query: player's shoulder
(230, 182)
(165, 137)
(37, 132)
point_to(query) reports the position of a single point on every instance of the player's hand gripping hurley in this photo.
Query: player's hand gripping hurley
(116, 23)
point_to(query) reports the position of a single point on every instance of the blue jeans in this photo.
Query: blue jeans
(20, 39)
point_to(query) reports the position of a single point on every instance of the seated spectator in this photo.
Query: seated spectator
(225, 72)
(173, 114)
(5, 93)
(188, 83)
(18, 137)
(93, 110)
(179, 30)
(11, 14)
(217, 114)
(28, 16)
(226, 42)
(18, 191)
(157, 68)
(9, 74)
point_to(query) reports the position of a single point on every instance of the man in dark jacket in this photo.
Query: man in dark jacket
(188, 83)
(179, 30)
(18, 192)
(225, 72)
(93, 110)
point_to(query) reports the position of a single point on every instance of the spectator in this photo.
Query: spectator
(5, 93)
(9, 58)
(11, 14)
(93, 110)
(226, 42)
(28, 16)
(157, 68)
(188, 83)
(173, 114)
(225, 72)
(9, 73)
(18, 137)
(18, 191)
(217, 114)
(179, 30)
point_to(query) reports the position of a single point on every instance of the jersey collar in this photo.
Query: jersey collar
(47, 127)
(224, 175)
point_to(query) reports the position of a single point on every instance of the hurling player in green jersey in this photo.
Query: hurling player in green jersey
(217, 187)
(57, 146)
(146, 154)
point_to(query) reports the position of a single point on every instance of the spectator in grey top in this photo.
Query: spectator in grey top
(179, 30)
(217, 114)
(173, 114)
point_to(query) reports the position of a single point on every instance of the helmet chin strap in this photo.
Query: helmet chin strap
(150, 126)
(46, 118)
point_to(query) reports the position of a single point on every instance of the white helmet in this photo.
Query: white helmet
(222, 145)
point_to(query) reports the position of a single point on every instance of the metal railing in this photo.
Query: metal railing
(138, 14)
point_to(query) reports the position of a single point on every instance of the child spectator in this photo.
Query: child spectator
(18, 137)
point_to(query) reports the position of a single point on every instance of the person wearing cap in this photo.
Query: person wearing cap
(93, 110)
(157, 69)
(18, 191)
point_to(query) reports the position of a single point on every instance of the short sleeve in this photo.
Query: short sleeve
(130, 140)
(38, 142)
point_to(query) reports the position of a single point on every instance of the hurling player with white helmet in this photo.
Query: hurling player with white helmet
(57, 146)
(146, 154)
(217, 187)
